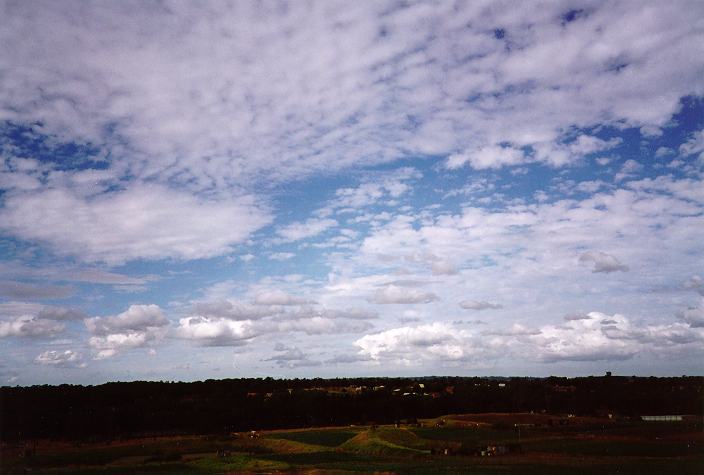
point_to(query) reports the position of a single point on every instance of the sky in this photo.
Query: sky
(195, 190)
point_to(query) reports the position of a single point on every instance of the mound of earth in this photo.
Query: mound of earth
(385, 442)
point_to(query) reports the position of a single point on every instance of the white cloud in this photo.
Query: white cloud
(596, 337)
(21, 319)
(201, 127)
(693, 316)
(443, 268)
(585, 340)
(151, 89)
(281, 256)
(611, 337)
(278, 297)
(29, 326)
(138, 326)
(64, 359)
(393, 294)
(436, 341)
(492, 156)
(651, 131)
(379, 188)
(143, 221)
(602, 262)
(694, 145)
(213, 331)
(630, 168)
(663, 152)
(298, 231)
(479, 305)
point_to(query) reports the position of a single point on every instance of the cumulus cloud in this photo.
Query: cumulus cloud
(611, 337)
(693, 316)
(63, 359)
(213, 331)
(602, 262)
(479, 305)
(183, 138)
(662, 152)
(394, 294)
(588, 339)
(143, 221)
(29, 326)
(437, 341)
(595, 337)
(629, 169)
(694, 145)
(234, 324)
(21, 319)
(291, 357)
(138, 326)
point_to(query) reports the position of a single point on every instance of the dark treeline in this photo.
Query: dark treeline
(117, 410)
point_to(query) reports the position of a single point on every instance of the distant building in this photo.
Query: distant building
(668, 418)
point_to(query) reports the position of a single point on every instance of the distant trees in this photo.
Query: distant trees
(116, 410)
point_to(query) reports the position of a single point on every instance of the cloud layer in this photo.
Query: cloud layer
(248, 94)
(273, 188)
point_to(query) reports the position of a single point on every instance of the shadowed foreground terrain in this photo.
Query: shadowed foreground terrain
(469, 443)
(383, 425)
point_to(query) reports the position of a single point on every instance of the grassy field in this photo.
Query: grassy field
(326, 438)
(544, 444)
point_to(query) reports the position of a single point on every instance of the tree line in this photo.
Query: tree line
(142, 408)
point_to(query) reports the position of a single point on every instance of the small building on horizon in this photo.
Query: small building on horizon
(666, 418)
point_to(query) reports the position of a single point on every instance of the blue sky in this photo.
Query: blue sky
(287, 189)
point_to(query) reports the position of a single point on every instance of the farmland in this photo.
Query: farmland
(525, 443)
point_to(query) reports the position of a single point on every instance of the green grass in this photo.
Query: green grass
(237, 462)
(386, 442)
(326, 438)
(615, 448)
(625, 449)
(467, 436)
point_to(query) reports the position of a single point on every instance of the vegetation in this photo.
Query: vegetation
(426, 425)
(118, 410)
(619, 446)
